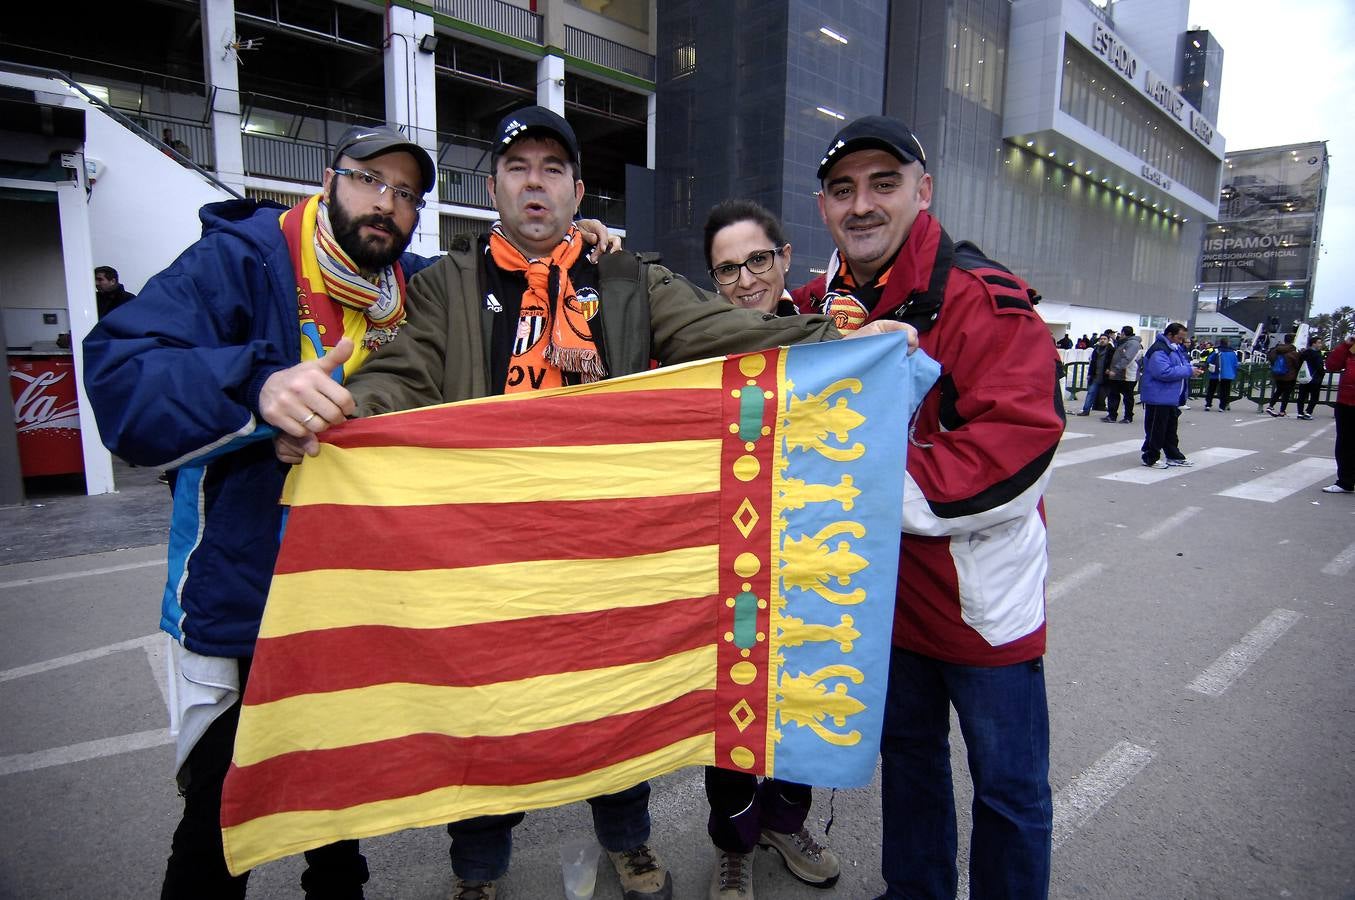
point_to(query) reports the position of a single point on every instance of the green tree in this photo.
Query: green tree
(1333, 326)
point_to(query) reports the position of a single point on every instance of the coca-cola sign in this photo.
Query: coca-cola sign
(38, 401)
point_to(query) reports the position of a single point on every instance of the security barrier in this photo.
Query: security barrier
(1253, 384)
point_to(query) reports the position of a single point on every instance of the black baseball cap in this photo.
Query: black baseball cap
(874, 133)
(365, 141)
(535, 120)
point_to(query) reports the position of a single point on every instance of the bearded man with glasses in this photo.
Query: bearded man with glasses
(218, 345)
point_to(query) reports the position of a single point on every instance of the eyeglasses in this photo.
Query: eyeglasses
(756, 264)
(369, 184)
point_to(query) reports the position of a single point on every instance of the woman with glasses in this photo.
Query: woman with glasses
(747, 257)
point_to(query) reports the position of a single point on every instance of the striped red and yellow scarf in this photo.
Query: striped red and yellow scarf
(556, 337)
(328, 282)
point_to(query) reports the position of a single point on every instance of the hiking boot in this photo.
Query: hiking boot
(806, 858)
(473, 890)
(643, 876)
(733, 877)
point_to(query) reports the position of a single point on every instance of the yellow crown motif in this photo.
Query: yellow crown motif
(809, 421)
(805, 700)
(794, 632)
(807, 564)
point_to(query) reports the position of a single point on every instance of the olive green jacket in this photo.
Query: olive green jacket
(442, 354)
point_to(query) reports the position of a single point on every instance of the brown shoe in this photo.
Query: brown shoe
(473, 890)
(733, 877)
(643, 876)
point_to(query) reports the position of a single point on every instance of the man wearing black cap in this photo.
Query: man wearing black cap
(969, 624)
(523, 309)
(221, 342)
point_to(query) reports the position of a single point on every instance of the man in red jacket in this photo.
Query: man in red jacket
(1342, 359)
(969, 621)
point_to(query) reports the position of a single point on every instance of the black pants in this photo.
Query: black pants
(1159, 432)
(740, 808)
(1345, 445)
(1282, 391)
(1223, 387)
(1115, 392)
(1306, 400)
(197, 862)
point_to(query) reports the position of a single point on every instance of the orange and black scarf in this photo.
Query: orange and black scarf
(554, 333)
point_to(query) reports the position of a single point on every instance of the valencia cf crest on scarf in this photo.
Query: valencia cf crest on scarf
(585, 302)
(845, 310)
(531, 325)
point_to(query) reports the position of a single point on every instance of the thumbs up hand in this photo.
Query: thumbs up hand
(305, 399)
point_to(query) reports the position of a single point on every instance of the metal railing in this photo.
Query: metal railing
(284, 158)
(608, 53)
(1253, 384)
(608, 210)
(462, 186)
(495, 15)
(196, 136)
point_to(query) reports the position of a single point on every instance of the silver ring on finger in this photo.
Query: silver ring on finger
(308, 418)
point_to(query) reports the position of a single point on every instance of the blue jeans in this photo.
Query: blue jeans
(1093, 390)
(1004, 718)
(482, 847)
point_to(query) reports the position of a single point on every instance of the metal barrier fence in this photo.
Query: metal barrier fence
(197, 136)
(505, 18)
(1253, 384)
(608, 53)
(289, 160)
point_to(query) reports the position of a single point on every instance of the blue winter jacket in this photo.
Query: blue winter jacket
(1166, 369)
(174, 380)
(1227, 365)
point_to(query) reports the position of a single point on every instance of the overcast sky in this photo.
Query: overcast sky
(1288, 77)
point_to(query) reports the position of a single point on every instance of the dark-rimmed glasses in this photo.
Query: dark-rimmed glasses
(756, 264)
(371, 185)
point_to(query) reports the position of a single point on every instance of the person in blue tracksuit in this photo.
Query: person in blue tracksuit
(1166, 371)
(1221, 365)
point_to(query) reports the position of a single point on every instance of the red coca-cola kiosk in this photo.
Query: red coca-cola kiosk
(46, 413)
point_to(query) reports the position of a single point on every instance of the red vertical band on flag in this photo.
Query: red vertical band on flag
(750, 403)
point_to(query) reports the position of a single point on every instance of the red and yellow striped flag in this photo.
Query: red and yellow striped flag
(516, 603)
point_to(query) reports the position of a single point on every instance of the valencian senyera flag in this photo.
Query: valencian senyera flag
(515, 603)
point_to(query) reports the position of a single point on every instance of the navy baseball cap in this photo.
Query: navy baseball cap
(874, 133)
(535, 120)
(362, 142)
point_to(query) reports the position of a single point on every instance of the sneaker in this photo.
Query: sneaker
(1083, 413)
(643, 876)
(733, 877)
(1304, 416)
(473, 890)
(1205, 409)
(806, 858)
(1337, 489)
(1182, 462)
(1107, 419)
(1159, 464)
(1127, 421)
(1184, 406)
(1273, 413)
